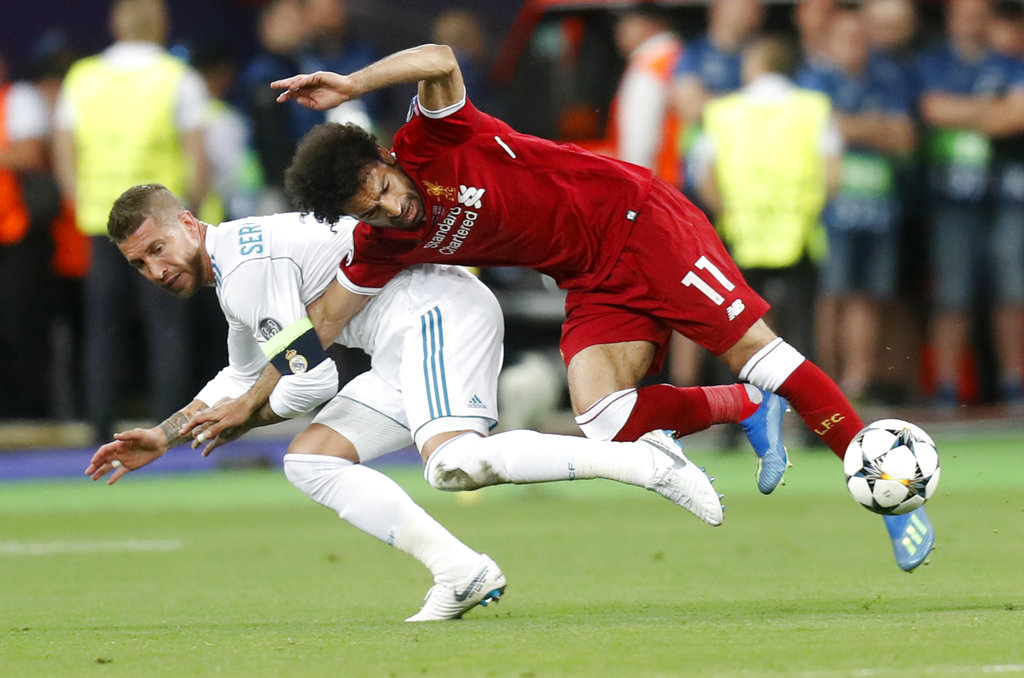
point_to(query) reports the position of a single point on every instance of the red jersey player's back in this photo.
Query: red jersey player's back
(495, 197)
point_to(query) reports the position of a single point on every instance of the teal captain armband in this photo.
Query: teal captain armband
(295, 349)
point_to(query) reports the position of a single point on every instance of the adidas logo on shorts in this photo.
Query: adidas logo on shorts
(476, 403)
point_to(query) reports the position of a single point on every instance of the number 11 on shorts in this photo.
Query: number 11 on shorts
(693, 279)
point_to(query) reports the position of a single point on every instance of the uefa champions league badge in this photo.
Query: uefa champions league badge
(296, 362)
(268, 327)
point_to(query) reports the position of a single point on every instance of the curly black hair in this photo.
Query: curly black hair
(326, 169)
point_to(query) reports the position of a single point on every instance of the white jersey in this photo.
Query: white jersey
(268, 269)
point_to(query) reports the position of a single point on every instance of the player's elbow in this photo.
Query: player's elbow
(441, 58)
(299, 393)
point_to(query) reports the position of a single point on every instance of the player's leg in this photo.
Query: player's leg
(955, 254)
(469, 460)
(1008, 313)
(323, 462)
(106, 319)
(778, 367)
(603, 378)
(450, 362)
(603, 382)
(769, 363)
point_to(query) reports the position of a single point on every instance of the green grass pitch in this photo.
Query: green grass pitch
(238, 574)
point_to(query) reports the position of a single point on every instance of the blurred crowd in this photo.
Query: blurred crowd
(868, 177)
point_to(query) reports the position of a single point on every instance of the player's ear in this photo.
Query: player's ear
(188, 221)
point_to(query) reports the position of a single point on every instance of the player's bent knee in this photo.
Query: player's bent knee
(312, 473)
(456, 465)
(326, 441)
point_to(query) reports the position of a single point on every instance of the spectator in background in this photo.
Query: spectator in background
(1003, 119)
(460, 29)
(52, 56)
(235, 176)
(771, 152)
(333, 48)
(890, 27)
(283, 34)
(1006, 30)
(643, 128)
(964, 83)
(711, 64)
(710, 67)
(811, 18)
(132, 114)
(25, 215)
(862, 220)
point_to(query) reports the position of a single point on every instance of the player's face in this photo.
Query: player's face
(168, 255)
(387, 198)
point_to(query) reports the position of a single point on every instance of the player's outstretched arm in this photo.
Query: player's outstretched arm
(332, 311)
(434, 67)
(140, 446)
(231, 418)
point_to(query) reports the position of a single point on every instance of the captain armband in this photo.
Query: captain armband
(295, 349)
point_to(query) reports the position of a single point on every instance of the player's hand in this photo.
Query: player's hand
(228, 420)
(128, 451)
(319, 91)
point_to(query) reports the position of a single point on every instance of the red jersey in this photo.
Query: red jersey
(495, 197)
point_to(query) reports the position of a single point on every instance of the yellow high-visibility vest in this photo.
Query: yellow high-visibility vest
(770, 171)
(124, 133)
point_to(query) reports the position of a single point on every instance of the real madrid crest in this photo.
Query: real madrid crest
(296, 362)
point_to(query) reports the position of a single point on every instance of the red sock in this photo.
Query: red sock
(822, 406)
(729, 404)
(685, 410)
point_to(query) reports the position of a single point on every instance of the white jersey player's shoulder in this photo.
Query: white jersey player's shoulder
(290, 235)
(288, 257)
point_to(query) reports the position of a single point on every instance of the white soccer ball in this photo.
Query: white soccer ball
(891, 467)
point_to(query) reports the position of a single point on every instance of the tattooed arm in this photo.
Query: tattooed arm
(135, 448)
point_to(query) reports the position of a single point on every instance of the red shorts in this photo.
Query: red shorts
(673, 274)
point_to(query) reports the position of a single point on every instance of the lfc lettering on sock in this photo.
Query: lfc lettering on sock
(826, 425)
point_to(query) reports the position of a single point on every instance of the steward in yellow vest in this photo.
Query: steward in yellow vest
(769, 176)
(132, 114)
(118, 144)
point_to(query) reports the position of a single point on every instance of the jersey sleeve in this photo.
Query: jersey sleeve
(264, 295)
(690, 63)
(1016, 76)
(370, 265)
(245, 362)
(643, 101)
(931, 73)
(428, 133)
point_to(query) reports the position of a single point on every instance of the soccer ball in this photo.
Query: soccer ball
(891, 467)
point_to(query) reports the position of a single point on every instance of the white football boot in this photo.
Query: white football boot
(680, 481)
(450, 601)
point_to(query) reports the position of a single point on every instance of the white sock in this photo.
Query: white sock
(605, 418)
(470, 461)
(375, 504)
(772, 365)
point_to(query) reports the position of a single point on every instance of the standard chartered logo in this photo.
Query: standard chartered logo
(471, 197)
(452, 231)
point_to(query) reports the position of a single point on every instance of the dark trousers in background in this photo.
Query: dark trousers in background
(24, 344)
(119, 301)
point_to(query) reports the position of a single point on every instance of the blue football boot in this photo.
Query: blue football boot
(912, 537)
(764, 431)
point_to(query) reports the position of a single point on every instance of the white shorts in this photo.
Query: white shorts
(434, 335)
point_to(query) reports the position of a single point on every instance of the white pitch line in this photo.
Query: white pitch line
(927, 671)
(45, 548)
